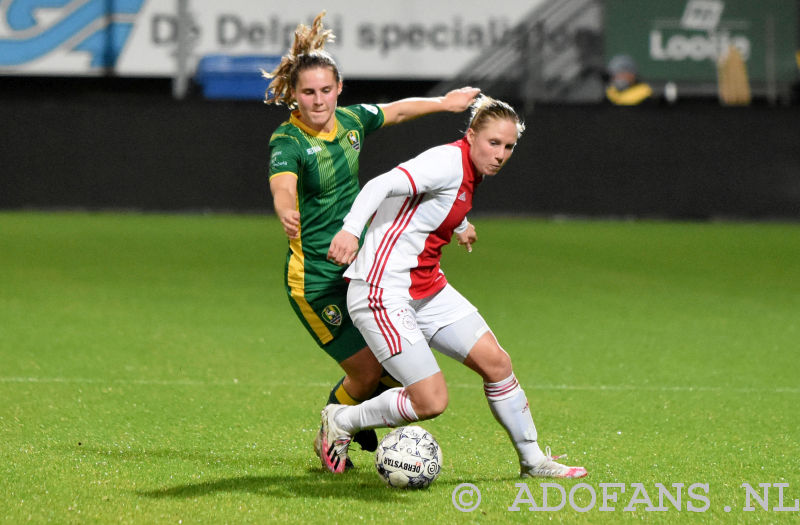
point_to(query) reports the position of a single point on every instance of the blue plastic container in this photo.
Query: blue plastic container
(234, 77)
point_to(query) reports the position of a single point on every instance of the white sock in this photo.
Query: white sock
(510, 408)
(390, 409)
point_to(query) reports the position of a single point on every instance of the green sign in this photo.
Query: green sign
(681, 40)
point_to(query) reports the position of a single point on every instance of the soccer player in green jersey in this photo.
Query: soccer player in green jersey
(313, 177)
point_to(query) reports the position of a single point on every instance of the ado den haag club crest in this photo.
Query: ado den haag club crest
(352, 138)
(332, 315)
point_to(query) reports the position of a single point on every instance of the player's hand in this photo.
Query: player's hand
(343, 249)
(460, 99)
(290, 220)
(467, 237)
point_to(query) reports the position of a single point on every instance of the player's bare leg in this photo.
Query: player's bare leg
(363, 375)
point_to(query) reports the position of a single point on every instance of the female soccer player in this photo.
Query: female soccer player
(313, 178)
(401, 302)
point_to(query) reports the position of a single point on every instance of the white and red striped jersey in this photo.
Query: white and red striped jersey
(417, 207)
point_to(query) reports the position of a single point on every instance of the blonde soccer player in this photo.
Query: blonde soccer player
(400, 299)
(313, 178)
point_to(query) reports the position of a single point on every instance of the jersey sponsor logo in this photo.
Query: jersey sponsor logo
(332, 315)
(314, 149)
(369, 107)
(462, 196)
(274, 162)
(352, 138)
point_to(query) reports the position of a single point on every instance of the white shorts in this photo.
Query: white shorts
(392, 325)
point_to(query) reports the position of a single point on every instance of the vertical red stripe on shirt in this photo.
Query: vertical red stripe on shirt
(385, 241)
(389, 240)
(391, 237)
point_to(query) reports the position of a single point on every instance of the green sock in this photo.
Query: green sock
(339, 395)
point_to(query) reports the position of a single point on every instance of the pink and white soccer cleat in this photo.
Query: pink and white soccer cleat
(335, 441)
(549, 468)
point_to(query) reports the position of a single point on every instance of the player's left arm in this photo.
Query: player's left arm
(456, 101)
(465, 234)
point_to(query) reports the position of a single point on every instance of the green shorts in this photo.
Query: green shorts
(324, 314)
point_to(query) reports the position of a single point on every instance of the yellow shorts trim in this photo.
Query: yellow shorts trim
(296, 282)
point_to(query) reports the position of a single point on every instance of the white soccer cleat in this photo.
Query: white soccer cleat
(549, 468)
(318, 442)
(318, 447)
(335, 441)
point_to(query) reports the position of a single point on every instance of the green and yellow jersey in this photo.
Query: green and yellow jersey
(326, 167)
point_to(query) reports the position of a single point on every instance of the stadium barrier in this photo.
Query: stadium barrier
(693, 160)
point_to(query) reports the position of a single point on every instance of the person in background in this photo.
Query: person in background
(624, 86)
(313, 178)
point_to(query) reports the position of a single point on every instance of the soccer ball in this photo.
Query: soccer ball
(408, 457)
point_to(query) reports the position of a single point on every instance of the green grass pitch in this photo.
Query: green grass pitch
(151, 371)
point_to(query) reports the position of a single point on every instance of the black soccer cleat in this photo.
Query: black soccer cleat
(367, 439)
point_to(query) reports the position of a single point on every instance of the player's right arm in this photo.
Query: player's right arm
(284, 198)
(455, 101)
(284, 170)
(344, 246)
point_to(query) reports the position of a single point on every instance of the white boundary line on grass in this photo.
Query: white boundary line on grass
(236, 382)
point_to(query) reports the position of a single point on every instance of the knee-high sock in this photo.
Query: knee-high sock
(340, 396)
(510, 408)
(390, 409)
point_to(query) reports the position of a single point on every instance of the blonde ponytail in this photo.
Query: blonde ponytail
(306, 52)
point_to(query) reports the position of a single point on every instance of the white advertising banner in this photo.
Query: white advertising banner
(409, 39)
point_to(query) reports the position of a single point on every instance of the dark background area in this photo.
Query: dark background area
(120, 143)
